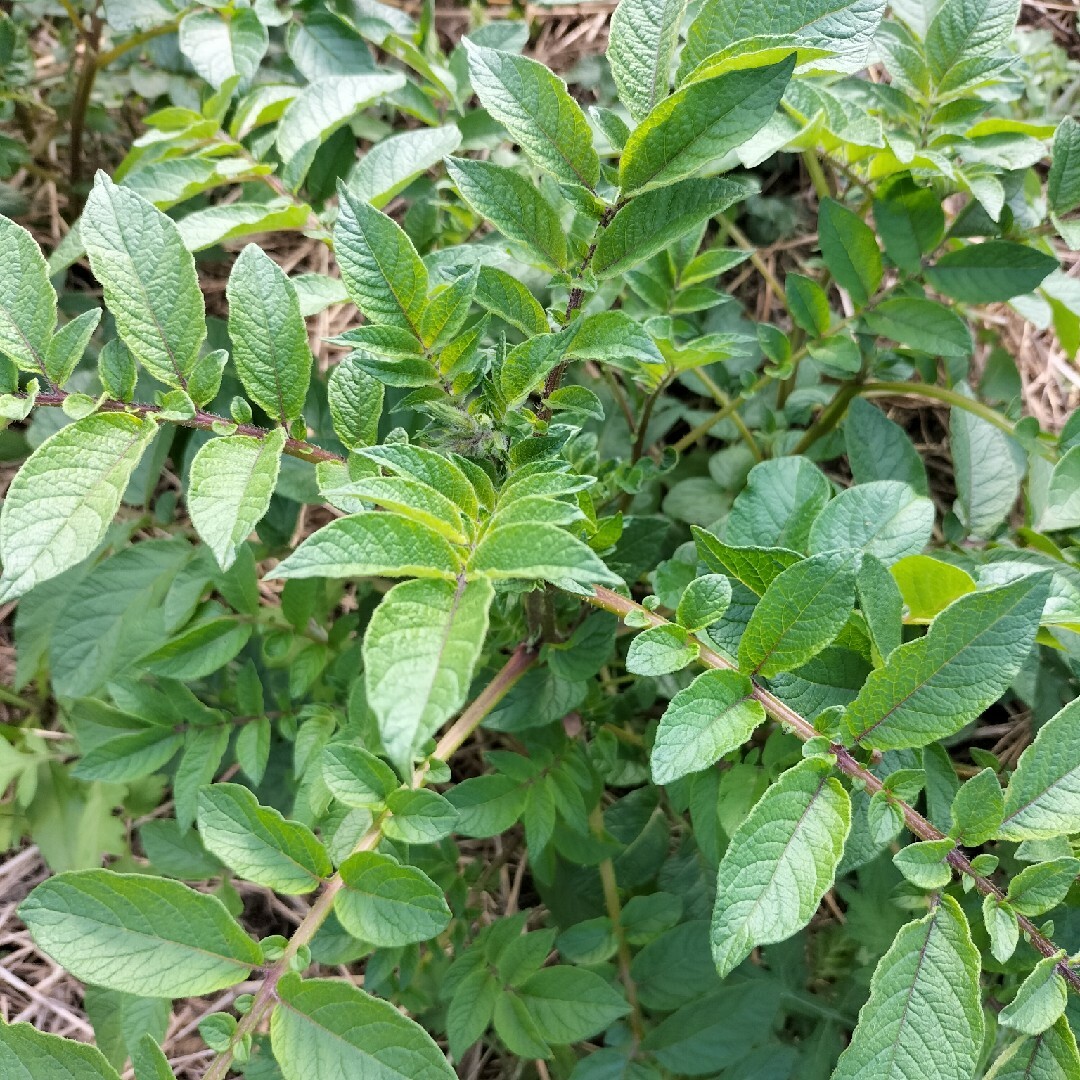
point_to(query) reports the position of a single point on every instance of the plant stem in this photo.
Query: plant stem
(846, 763)
(453, 738)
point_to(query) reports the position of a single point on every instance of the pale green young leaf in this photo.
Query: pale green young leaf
(379, 265)
(216, 224)
(356, 403)
(1040, 1001)
(924, 1016)
(802, 611)
(754, 567)
(431, 468)
(780, 862)
(850, 250)
(534, 106)
(963, 29)
(700, 124)
(386, 904)
(321, 108)
(845, 28)
(27, 299)
(660, 650)
(29, 1054)
(931, 687)
(778, 505)
(325, 1027)
(977, 809)
(420, 651)
(1051, 1055)
(1063, 180)
(64, 498)
(258, 843)
(229, 489)
(151, 288)
(357, 777)
(990, 468)
(923, 325)
(514, 205)
(418, 816)
(1000, 921)
(704, 601)
(220, 48)
(655, 219)
(269, 339)
(393, 163)
(1043, 796)
(68, 345)
(139, 934)
(1062, 509)
(412, 499)
(990, 272)
(879, 449)
(714, 715)
(545, 552)
(1042, 886)
(369, 544)
(928, 586)
(883, 518)
(924, 865)
(641, 48)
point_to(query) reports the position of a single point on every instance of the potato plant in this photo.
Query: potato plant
(556, 560)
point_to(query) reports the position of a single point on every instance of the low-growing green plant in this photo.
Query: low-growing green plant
(648, 591)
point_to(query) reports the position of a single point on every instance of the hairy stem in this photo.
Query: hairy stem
(846, 763)
(452, 740)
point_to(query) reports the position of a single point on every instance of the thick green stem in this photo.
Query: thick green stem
(452, 740)
(846, 763)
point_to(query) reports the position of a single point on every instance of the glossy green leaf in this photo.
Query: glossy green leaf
(932, 686)
(780, 862)
(139, 934)
(910, 221)
(928, 585)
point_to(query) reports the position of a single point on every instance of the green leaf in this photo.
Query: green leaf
(881, 604)
(200, 650)
(964, 29)
(220, 49)
(977, 809)
(928, 586)
(570, 1004)
(1041, 887)
(990, 467)
(641, 48)
(68, 345)
(990, 272)
(539, 114)
(778, 505)
(1001, 925)
(850, 250)
(932, 687)
(503, 295)
(325, 1027)
(704, 601)
(1062, 509)
(1063, 180)
(447, 309)
(29, 1054)
(418, 816)
(514, 205)
(924, 865)
(918, 324)
(910, 221)
(323, 44)
(151, 288)
(660, 650)
(379, 265)
(754, 567)
(149, 1061)
(27, 299)
(879, 449)
(1043, 796)
(539, 551)
(808, 304)
(714, 715)
(369, 544)
(1049, 1056)
(357, 777)
(487, 805)
(780, 862)
(215, 224)
(884, 518)
(412, 499)
(420, 650)
(802, 611)
(845, 28)
(924, 1016)
(321, 108)
(63, 499)
(258, 843)
(356, 403)
(615, 338)
(700, 124)
(393, 163)
(117, 370)
(139, 934)
(1040, 1001)
(229, 489)
(270, 344)
(654, 220)
(386, 904)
